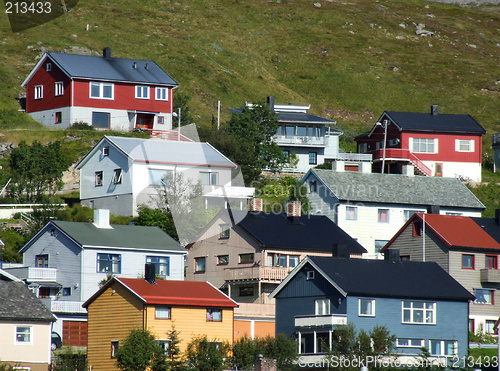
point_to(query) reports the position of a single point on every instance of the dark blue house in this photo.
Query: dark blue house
(419, 303)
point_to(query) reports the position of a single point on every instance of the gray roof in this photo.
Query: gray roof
(167, 152)
(119, 236)
(111, 69)
(397, 189)
(18, 303)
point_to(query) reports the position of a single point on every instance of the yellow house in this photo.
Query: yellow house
(123, 304)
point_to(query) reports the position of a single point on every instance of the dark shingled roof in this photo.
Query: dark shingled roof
(307, 232)
(112, 69)
(383, 278)
(490, 226)
(18, 303)
(398, 189)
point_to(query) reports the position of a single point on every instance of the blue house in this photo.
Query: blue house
(419, 303)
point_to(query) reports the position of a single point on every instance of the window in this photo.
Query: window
(66, 291)
(276, 260)
(293, 261)
(289, 131)
(161, 264)
(114, 348)
(383, 215)
(246, 258)
(223, 259)
(48, 67)
(214, 315)
(58, 88)
(312, 186)
(161, 94)
(199, 264)
(42, 261)
(404, 257)
(101, 90)
(98, 178)
(366, 307)
(419, 312)
(484, 296)
(454, 214)
(310, 275)
(409, 343)
(109, 263)
(423, 145)
(409, 213)
(286, 154)
(162, 312)
(491, 262)
(443, 347)
(379, 244)
(101, 120)
(322, 307)
(208, 178)
(58, 117)
(224, 231)
(467, 261)
(160, 177)
(23, 335)
(489, 327)
(351, 213)
(472, 326)
(164, 345)
(161, 120)
(313, 158)
(464, 145)
(117, 176)
(417, 229)
(246, 290)
(39, 92)
(142, 92)
(105, 151)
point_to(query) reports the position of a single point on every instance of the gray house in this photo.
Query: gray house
(371, 207)
(412, 299)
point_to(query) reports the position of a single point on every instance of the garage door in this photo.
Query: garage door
(75, 333)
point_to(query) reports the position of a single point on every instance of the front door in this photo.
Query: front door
(439, 169)
(145, 121)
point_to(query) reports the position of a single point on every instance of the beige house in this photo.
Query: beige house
(25, 326)
(465, 247)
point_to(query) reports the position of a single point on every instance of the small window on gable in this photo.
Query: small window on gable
(310, 275)
(312, 186)
(224, 231)
(105, 151)
(417, 229)
(48, 67)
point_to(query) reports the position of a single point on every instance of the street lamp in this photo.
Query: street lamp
(384, 125)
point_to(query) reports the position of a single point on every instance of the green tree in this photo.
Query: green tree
(181, 101)
(157, 217)
(13, 242)
(139, 351)
(204, 355)
(173, 358)
(36, 171)
(244, 353)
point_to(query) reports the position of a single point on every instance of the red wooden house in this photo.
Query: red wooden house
(435, 144)
(102, 91)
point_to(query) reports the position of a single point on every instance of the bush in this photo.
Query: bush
(80, 126)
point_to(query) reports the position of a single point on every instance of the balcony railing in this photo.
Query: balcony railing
(321, 321)
(355, 157)
(490, 275)
(34, 273)
(300, 140)
(66, 306)
(403, 154)
(256, 273)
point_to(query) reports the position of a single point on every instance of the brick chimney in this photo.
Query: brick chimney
(293, 209)
(255, 204)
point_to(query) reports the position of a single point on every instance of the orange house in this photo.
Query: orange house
(126, 303)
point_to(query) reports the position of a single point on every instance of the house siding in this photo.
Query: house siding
(105, 325)
(38, 351)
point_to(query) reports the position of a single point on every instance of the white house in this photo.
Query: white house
(310, 137)
(64, 263)
(372, 207)
(122, 173)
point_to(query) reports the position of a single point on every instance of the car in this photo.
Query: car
(56, 341)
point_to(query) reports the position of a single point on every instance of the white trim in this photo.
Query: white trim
(140, 90)
(359, 308)
(58, 88)
(101, 90)
(166, 94)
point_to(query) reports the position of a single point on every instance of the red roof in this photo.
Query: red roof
(169, 292)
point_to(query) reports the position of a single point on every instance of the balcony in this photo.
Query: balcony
(300, 140)
(66, 306)
(396, 154)
(321, 321)
(490, 275)
(34, 274)
(354, 157)
(256, 273)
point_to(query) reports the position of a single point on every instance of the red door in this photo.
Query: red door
(75, 333)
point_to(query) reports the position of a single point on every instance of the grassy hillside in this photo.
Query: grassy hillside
(349, 59)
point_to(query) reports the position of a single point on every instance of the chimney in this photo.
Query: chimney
(340, 251)
(270, 102)
(255, 204)
(434, 110)
(433, 209)
(497, 216)
(391, 255)
(293, 209)
(134, 66)
(101, 218)
(106, 53)
(149, 273)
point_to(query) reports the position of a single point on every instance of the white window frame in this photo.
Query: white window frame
(29, 333)
(38, 90)
(48, 67)
(492, 296)
(322, 307)
(163, 312)
(212, 178)
(101, 86)
(442, 347)
(105, 151)
(399, 343)
(413, 310)
(117, 176)
(372, 314)
(310, 275)
(142, 92)
(164, 344)
(161, 94)
(464, 145)
(58, 88)
(424, 145)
